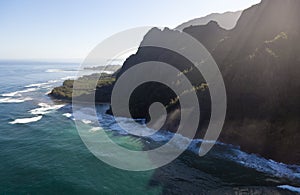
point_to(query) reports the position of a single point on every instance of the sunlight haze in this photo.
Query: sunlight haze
(57, 30)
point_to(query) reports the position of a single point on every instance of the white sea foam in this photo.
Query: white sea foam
(18, 93)
(261, 164)
(58, 70)
(36, 85)
(231, 153)
(45, 108)
(68, 115)
(11, 94)
(85, 114)
(68, 77)
(48, 92)
(291, 188)
(43, 85)
(53, 81)
(26, 120)
(86, 121)
(15, 100)
(54, 70)
(94, 129)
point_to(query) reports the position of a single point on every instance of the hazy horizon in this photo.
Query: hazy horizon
(60, 31)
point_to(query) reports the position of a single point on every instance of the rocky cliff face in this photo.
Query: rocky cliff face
(260, 63)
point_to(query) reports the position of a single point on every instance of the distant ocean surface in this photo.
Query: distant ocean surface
(42, 153)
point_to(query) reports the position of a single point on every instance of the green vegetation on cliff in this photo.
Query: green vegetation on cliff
(103, 89)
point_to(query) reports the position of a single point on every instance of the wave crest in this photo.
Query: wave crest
(26, 120)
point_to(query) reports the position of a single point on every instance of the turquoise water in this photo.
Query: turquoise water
(42, 153)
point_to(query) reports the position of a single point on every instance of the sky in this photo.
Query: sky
(70, 29)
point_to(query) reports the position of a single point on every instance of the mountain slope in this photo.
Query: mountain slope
(226, 20)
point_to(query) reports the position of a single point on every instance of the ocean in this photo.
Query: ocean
(42, 153)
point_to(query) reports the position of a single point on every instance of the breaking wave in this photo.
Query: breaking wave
(15, 100)
(26, 120)
(45, 108)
